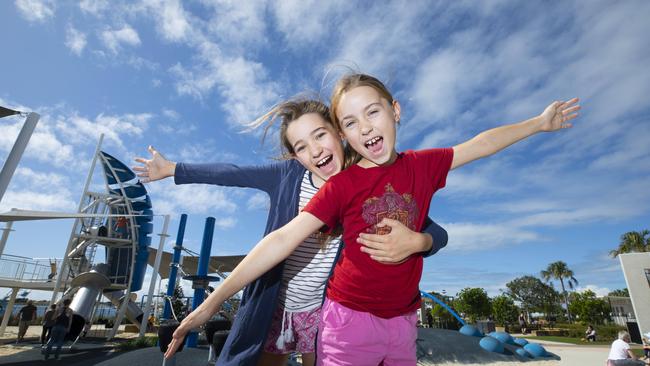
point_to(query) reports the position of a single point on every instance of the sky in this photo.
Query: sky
(186, 76)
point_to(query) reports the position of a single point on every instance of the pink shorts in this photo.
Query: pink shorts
(303, 326)
(349, 337)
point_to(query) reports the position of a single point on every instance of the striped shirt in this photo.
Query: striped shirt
(307, 269)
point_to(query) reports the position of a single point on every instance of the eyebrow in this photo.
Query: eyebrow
(364, 109)
(310, 134)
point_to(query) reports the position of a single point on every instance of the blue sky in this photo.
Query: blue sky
(184, 77)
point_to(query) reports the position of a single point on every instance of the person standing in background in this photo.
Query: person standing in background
(48, 323)
(27, 315)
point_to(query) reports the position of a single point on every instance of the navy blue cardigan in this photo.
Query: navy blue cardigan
(281, 181)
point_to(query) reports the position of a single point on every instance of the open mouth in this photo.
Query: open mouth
(324, 161)
(375, 144)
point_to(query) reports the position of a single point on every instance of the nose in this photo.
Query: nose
(315, 150)
(365, 126)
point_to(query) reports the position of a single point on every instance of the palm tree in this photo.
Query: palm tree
(633, 242)
(560, 271)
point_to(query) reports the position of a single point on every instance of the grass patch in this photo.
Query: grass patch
(571, 340)
(132, 344)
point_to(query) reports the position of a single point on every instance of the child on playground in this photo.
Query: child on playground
(368, 317)
(280, 311)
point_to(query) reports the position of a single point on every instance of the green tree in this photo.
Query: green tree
(633, 242)
(531, 293)
(504, 310)
(474, 302)
(560, 271)
(589, 308)
(445, 319)
(622, 292)
(176, 301)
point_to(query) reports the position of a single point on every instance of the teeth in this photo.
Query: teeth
(323, 161)
(372, 141)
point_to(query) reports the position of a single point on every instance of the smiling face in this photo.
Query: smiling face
(316, 145)
(367, 120)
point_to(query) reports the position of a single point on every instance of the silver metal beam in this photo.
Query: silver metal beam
(154, 274)
(17, 151)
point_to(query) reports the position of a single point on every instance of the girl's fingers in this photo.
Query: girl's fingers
(570, 117)
(571, 109)
(141, 160)
(373, 238)
(140, 168)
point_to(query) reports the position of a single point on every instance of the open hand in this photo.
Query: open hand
(177, 339)
(155, 168)
(558, 114)
(394, 247)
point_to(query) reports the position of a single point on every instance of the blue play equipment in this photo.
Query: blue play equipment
(521, 341)
(503, 337)
(122, 181)
(470, 330)
(535, 350)
(491, 344)
(201, 280)
(444, 306)
(522, 352)
(173, 270)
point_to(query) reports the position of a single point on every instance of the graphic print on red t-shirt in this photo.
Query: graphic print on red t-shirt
(391, 205)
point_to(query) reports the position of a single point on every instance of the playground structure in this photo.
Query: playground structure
(108, 249)
(106, 254)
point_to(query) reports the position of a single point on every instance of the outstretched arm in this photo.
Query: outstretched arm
(555, 117)
(270, 251)
(265, 177)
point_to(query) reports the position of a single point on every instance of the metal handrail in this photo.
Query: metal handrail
(27, 269)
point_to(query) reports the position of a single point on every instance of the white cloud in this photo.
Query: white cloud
(243, 84)
(259, 201)
(226, 222)
(195, 199)
(478, 236)
(173, 22)
(238, 23)
(599, 291)
(36, 10)
(94, 7)
(114, 38)
(38, 191)
(75, 40)
(171, 114)
(80, 129)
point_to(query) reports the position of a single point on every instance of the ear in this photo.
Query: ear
(397, 109)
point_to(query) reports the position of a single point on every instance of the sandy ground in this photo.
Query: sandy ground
(9, 346)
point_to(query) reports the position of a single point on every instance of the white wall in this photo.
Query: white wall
(634, 266)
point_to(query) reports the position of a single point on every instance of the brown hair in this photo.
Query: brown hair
(345, 84)
(287, 112)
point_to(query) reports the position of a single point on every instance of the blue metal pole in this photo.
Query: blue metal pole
(173, 271)
(202, 270)
(444, 306)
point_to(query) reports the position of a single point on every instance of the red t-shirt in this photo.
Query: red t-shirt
(359, 198)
